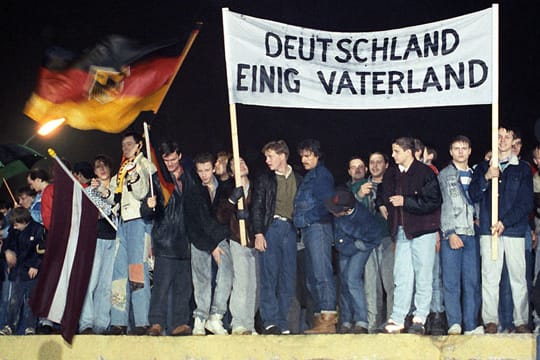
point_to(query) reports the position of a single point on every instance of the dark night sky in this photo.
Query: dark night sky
(195, 112)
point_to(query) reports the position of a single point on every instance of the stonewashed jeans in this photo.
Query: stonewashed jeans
(413, 272)
(243, 301)
(201, 273)
(96, 310)
(132, 247)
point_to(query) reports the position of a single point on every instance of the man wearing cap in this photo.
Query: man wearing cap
(356, 235)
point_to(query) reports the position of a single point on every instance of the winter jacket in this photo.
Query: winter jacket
(317, 186)
(422, 200)
(515, 197)
(203, 229)
(25, 245)
(264, 200)
(457, 212)
(358, 231)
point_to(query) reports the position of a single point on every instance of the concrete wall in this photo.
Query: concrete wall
(314, 347)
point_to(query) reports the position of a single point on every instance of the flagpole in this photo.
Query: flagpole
(237, 177)
(495, 127)
(9, 190)
(52, 153)
(181, 59)
(148, 156)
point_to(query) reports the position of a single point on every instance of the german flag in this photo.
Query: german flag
(104, 89)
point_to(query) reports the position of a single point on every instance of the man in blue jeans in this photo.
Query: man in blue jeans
(275, 236)
(411, 199)
(357, 233)
(315, 222)
(460, 250)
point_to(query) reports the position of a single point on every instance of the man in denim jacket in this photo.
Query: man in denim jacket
(515, 203)
(460, 256)
(314, 220)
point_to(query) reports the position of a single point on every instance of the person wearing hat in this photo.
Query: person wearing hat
(356, 234)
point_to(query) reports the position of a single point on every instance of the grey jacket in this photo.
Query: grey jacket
(456, 211)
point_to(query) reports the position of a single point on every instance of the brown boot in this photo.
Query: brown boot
(326, 324)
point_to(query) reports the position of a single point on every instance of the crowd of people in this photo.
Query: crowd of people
(401, 247)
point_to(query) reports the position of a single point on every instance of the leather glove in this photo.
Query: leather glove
(236, 194)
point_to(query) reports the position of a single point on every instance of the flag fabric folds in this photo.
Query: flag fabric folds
(104, 89)
(67, 264)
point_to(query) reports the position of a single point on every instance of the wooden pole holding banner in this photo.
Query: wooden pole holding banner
(237, 178)
(495, 127)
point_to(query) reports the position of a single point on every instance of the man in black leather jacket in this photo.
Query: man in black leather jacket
(275, 236)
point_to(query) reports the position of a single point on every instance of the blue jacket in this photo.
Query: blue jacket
(358, 231)
(457, 213)
(318, 185)
(24, 244)
(515, 197)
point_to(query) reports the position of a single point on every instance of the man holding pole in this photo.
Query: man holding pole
(515, 203)
(131, 285)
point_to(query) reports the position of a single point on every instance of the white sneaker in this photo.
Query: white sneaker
(477, 331)
(215, 326)
(6, 331)
(29, 331)
(240, 330)
(198, 327)
(455, 329)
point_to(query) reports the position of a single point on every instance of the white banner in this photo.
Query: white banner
(442, 63)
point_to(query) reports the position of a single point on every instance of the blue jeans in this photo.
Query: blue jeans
(461, 280)
(20, 295)
(131, 253)
(437, 295)
(352, 299)
(201, 265)
(171, 293)
(5, 292)
(243, 302)
(96, 310)
(278, 273)
(413, 270)
(320, 274)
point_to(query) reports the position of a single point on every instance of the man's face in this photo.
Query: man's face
(130, 147)
(401, 157)
(102, 171)
(25, 200)
(244, 171)
(460, 152)
(357, 169)
(274, 161)
(377, 165)
(205, 172)
(19, 226)
(172, 161)
(516, 146)
(309, 160)
(505, 140)
(536, 158)
(34, 184)
(221, 165)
